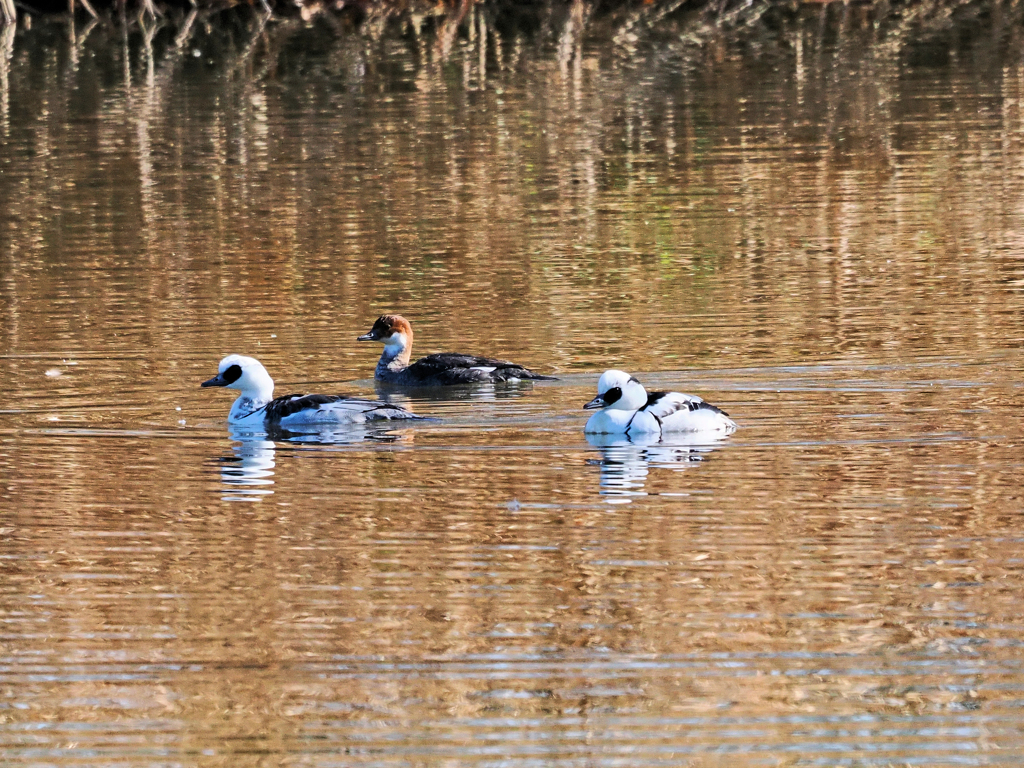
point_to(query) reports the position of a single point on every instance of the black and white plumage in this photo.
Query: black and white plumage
(257, 406)
(626, 408)
(438, 370)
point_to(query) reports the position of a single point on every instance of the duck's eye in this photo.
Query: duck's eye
(232, 373)
(612, 395)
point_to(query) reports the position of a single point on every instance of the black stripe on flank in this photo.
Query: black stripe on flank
(282, 407)
(372, 410)
(652, 398)
(706, 406)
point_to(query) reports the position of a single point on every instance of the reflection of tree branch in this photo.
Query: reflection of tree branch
(711, 22)
(254, 38)
(85, 4)
(377, 17)
(83, 35)
(148, 7)
(627, 36)
(571, 39)
(6, 54)
(450, 29)
(186, 29)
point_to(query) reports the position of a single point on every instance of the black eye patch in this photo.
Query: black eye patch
(612, 395)
(232, 374)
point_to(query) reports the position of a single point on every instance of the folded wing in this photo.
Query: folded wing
(331, 409)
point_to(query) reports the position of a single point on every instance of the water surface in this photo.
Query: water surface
(813, 223)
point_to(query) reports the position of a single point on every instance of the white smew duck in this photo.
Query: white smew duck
(628, 409)
(257, 406)
(438, 370)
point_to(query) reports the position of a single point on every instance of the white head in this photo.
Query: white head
(245, 374)
(617, 390)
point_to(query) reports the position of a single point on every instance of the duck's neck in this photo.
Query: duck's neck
(633, 398)
(250, 400)
(396, 354)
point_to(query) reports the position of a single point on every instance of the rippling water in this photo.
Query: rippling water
(813, 222)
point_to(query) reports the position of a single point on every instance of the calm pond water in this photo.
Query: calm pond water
(814, 222)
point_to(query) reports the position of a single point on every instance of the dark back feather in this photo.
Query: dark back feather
(652, 398)
(287, 405)
(706, 406)
(457, 368)
(373, 410)
(691, 405)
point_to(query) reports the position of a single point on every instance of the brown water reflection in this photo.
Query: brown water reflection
(814, 223)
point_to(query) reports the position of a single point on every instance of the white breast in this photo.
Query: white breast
(609, 422)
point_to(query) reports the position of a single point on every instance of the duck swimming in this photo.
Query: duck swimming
(257, 406)
(439, 370)
(629, 409)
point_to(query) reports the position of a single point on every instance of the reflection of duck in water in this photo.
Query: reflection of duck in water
(626, 461)
(439, 370)
(628, 409)
(256, 406)
(248, 475)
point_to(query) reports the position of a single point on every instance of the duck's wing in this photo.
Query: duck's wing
(457, 368)
(661, 405)
(329, 407)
